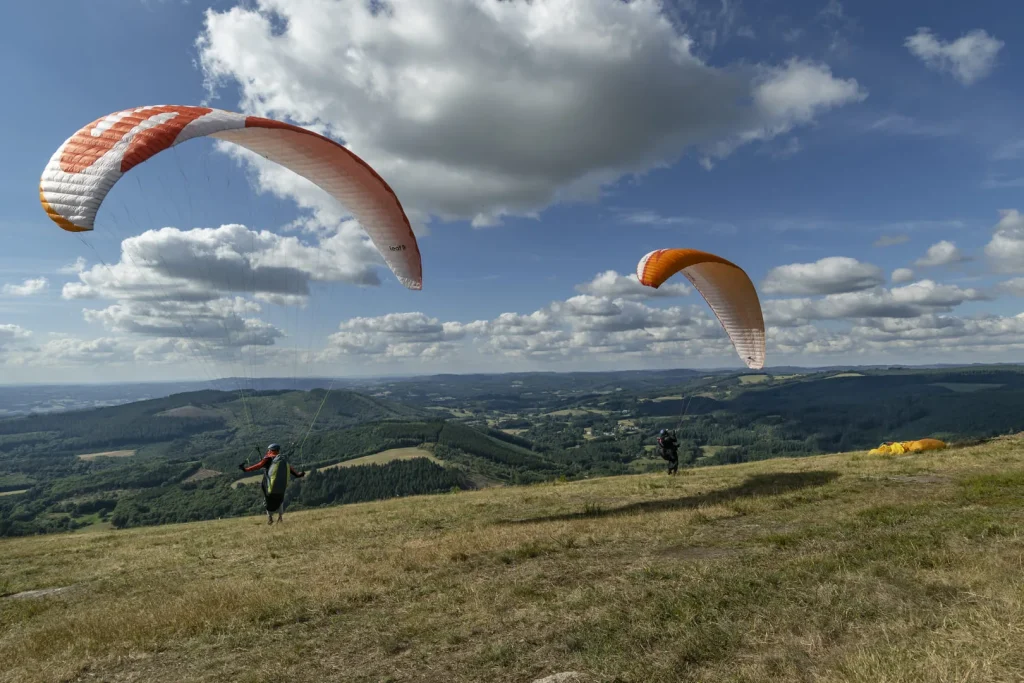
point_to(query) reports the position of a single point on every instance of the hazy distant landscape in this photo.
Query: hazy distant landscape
(174, 457)
(24, 399)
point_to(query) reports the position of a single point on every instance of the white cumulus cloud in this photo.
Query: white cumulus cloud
(395, 335)
(9, 332)
(196, 296)
(942, 253)
(901, 275)
(607, 323)
(1014, 286)
(204, 263)
(28, 287)
(221, 322)
(205, 284)
(831, 275)
(613, 285)
(73, 268)
(908, 301)
(73, 350)
(969, 58)
(1006, 248)
(12, 340)
(598, 90)
(593, 329)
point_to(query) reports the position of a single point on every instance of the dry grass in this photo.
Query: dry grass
(255, 479)
(578, 412)
(12, 493)
(833, 568)
(384, 457)
(96, 526)
(202, 473)
(107, 454)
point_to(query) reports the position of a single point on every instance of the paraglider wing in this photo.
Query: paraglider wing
(84, 169)
(725, 287)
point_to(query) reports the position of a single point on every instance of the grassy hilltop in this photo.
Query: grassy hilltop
(826, 568)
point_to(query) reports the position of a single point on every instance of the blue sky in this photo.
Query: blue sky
(532, 160)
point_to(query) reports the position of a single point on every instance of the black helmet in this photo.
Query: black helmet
(663, 432)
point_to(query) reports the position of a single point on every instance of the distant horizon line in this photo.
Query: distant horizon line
(378, 378)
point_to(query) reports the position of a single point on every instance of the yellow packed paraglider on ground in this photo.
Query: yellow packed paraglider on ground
(901, 447)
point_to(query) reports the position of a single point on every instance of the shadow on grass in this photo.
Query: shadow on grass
(753, 487)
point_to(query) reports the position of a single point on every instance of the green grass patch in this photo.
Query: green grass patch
(1002, 489)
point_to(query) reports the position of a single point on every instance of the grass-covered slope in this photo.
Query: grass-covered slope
(830, 568)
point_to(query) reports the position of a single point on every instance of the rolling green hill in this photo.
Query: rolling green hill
(175, 459)
(232, 417)
(828, 568)
(192, 478)
(163, 443)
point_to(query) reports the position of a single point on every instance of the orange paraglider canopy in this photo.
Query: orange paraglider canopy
(725, 286)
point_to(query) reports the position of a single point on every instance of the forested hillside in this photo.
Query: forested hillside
(176, 458)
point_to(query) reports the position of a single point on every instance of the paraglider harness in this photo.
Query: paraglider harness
(275, 482)
(276, 474)
(668, 449)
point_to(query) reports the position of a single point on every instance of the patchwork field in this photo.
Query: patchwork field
(107, 454)
(385, 457)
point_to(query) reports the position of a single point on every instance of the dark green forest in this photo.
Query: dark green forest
(181, 453)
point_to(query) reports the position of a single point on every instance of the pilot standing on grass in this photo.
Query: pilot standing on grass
(275, 480)
(669, 450)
